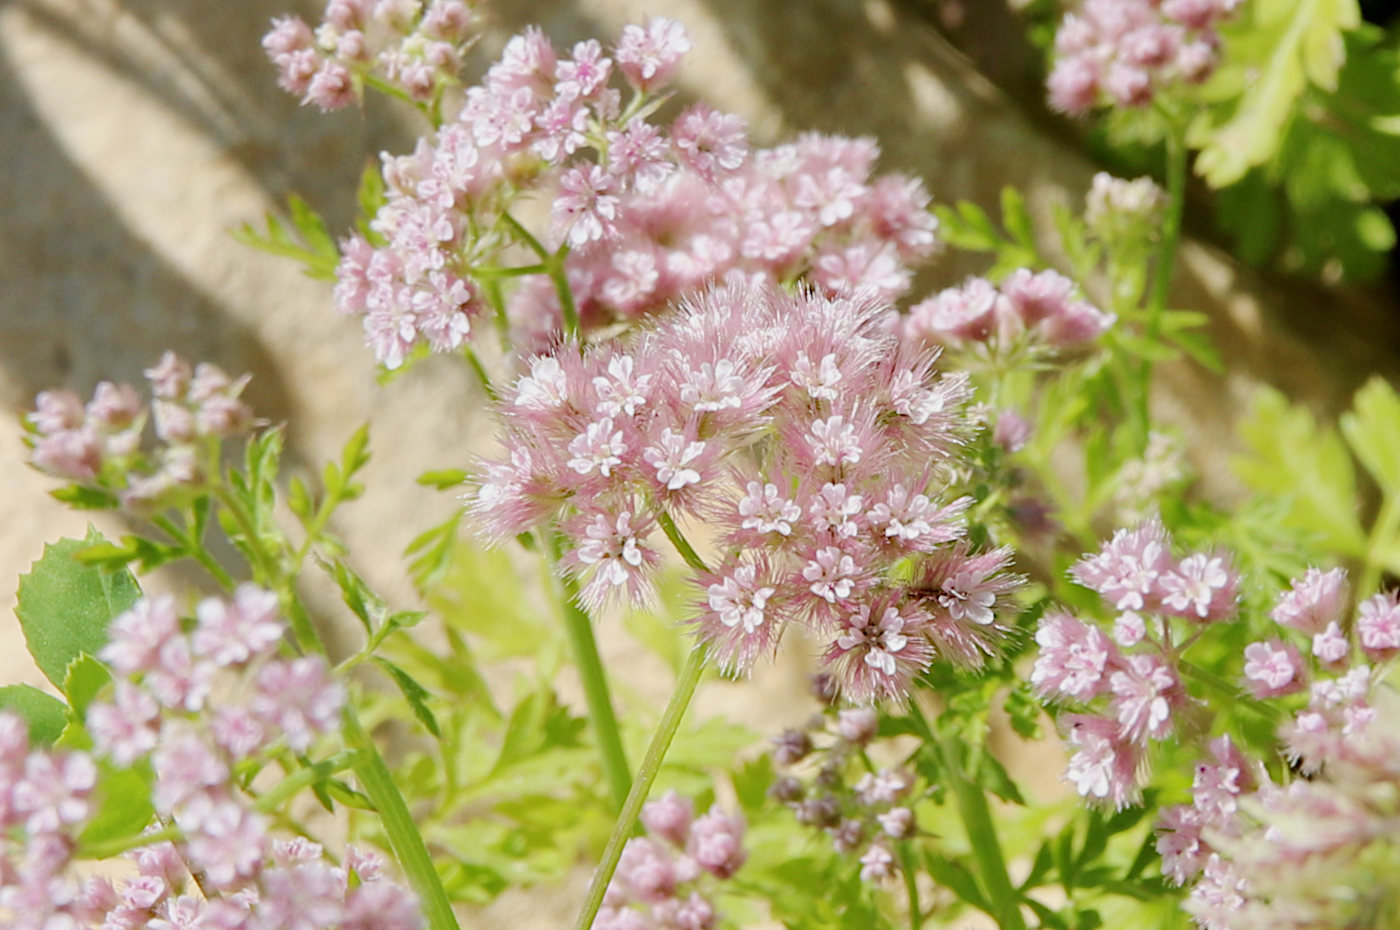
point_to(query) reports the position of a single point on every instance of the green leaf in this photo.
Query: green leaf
(1372, 429)
(416, 695)
(81, 498)
(362, 602)
(306, 239)
(1016, 218)
(444, 478)
(45, 714)
(956, 878)
(1291, 457)
(123, 804)
(1275, 53)
(370, 198)
(64, 606)
(430, 553)
(85, 678)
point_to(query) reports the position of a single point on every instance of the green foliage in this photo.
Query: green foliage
(45, 714)
(65, 606)
(302, 236)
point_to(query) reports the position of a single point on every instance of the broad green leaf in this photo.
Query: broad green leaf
(123, 804)
(65, 606)
(416, 695)
(45, 714)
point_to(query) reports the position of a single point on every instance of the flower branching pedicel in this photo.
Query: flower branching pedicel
(1127, 52)
(1318, 849)
(1162, 601)
(100, 445)
(200, 710)
(802, 430)
(639, 214)
(665, 878)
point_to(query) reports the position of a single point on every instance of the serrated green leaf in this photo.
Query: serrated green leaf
(310, 243)
(85, 678)
(1290, 457)
(1016, 218)
(363, 602)
(299, 499)
(65, 607)
(1372, 429)
(413, 692)
(45, 714)
(430, 553)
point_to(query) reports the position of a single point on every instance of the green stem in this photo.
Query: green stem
(579, 627)
(480, 371)
(673, 533)
(646, 775)
(907, 866)
(1227, 690)
(976, 816)
(195, 549)
(115, 847)
(304, 778)
(1166, 264)
(405, 839)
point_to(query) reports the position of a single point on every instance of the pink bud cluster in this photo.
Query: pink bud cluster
(192, 708)
(806, 436)
(100, 444)
(639, 214)
(1126, 52)
(1315, 851)
(410, 46)
(1028, 311)
(1133, 671)
(864, 813)
(664, 879)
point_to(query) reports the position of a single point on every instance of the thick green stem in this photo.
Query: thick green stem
(407, 843)
(646, 775)
(579, 627)
(986, 848)
(976, 816)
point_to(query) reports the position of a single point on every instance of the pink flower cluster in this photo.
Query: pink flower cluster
(408, 46)
(100, 444)
(864, 814)
(1030, 310)
(661, 879)
(1126, 52)
(1133, 671)
(1310, 851)
(806, 436)
(192, 706)
(639, 214)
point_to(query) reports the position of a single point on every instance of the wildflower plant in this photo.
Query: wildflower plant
(722, 413)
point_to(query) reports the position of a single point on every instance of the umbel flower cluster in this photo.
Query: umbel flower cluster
(195, 709)
(404, 46)
(863, 815)
(664, 879)
(1030, 311)
(1129, 682)
(814, 444)
(639, 214)
(1127, 52)
(1318, 849)
(100, 444)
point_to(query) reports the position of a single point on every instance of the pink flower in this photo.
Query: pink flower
(1129, 569)
(139, 635)
(1145, 691)
(1074, 660)
(1200, 587)
(1104, 765)
(649, 56)
(669, 817)
(716, 843)
(879, 650)
(710, 142)
(1378, 626)
(586, 208)
(298, 699)
(234, 633)
(615, 553)
(1273, 669)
